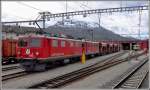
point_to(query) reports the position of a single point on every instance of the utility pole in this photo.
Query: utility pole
(121, 3)
(99, 19)
(63, 15)
(139, 23)
(43, 17)
(66, 6)
(43, 20)
(62, 20)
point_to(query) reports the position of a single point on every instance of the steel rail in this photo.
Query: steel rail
(78, 74)
(134, 80)
(23, 73)
(14, 75)
(10, 68)
(119, 80)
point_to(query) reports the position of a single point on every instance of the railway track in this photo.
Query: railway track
(14, 75)
(23, 73)
(10, 68)
(78, 74)
(131, 79)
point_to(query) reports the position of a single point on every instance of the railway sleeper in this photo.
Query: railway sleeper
(131, 87)
(114, 82)
(63, 80)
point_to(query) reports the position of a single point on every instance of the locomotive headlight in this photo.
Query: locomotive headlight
(19, 52)
(37, 53)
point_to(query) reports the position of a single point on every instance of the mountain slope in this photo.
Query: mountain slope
(86, 33)
(73, 31)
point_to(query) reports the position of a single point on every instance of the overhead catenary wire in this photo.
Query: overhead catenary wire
(66, 6)
(81, 4)
(26, 6)
(29, 6)
(99, 14)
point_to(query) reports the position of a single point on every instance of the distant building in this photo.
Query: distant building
(11, 32)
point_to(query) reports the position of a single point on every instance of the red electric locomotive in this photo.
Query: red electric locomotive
(144, 45)
(36, 52)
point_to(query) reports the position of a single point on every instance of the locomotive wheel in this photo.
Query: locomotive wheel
(9, 60)
(73, 60)
(33, 66)
(12, 60)
(59, 62)
(40, 67)
(27, 66)
(66, 61)
(92, 55)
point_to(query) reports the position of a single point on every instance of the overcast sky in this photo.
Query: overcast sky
(121, 23)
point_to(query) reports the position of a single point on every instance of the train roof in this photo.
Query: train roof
(42, 36)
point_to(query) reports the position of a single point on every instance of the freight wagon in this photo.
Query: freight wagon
(9, 51)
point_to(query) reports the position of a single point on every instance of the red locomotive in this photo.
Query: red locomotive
(144, 44)
(36, 52)
(9, 51)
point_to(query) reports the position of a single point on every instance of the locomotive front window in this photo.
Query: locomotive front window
(22, 43)
(34, 42)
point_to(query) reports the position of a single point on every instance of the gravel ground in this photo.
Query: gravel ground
(29, 80)
(98, 79)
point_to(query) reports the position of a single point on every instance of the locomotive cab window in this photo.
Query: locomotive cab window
(34, 42)
(22, 43)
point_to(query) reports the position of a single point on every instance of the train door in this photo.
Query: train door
(100, 49)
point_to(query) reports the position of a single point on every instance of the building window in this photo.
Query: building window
(54, 43)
